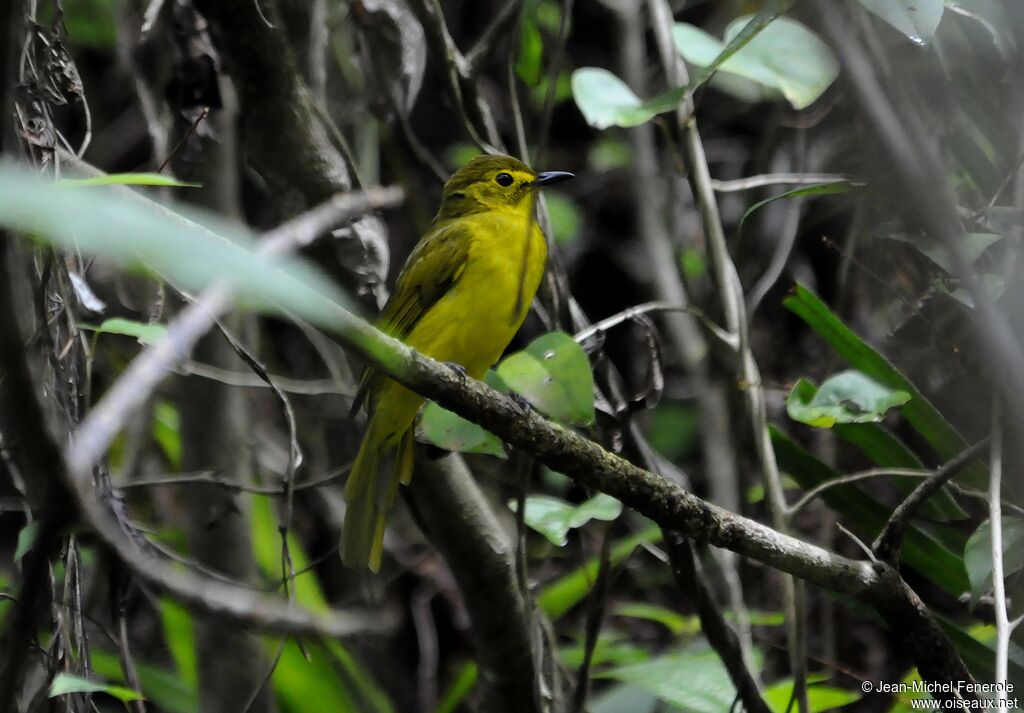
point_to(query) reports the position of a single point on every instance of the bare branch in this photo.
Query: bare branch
(887, 545)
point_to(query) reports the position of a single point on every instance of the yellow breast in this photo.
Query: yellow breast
(474, 322)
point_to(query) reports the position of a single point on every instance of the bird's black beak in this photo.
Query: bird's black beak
(546, 178)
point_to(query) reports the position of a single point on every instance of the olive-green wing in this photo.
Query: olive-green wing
(434, 266)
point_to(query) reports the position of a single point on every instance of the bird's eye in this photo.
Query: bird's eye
(504, 179)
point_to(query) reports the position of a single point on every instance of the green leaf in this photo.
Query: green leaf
(820, 698)
(331, 679)
(978, 554)
(669, 618)
(531, 49)
(26, 538)
(847, 397)
(64, 683)
(110, 225)
(694, 679)
(769, 12)
(126, 179)
(564, 593)
(919, 412)
(451, 432)
(917, 19)
(553, 518)
(167, 431)
(164, 688)
(553, 373)
(610, 648)
(145, 333)
(605, 100)
(783, 55)
(820, 189)
(179, 633)
(460, 687)
(921, 551)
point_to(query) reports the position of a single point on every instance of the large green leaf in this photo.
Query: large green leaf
(553, 517)
(605, 100)
(847, 397)
(978, 553)
(553, 373)
(921, 551)
(917, 19)
(452, 432)
(919, 411)
(693, 679)
(783, 55)
(107, 224)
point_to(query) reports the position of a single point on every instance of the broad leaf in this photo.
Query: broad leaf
(917, 19)
(784, 55)
(553, 373)
(165, 688)
(117, 227)
(978, 554)
(919, 412)
(452, 432)
(694, 679)
(553, 518)
(605, 100)
(848, 397)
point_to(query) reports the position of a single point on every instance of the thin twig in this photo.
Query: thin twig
(212, 478)
(995, 519)
(181, 142)
(887, 545)
(729, 292)
(305, 387)
(596, 604)
(630, 313)
(775, 179)
(489, 39)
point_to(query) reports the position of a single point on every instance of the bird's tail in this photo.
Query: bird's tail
(371, 493)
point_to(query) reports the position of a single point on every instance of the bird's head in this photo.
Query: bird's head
(493, 183)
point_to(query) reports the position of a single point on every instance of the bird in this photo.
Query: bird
(460, 299)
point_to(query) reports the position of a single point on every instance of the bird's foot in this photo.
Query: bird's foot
(459, 369)
(521, 401)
